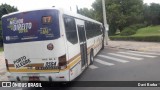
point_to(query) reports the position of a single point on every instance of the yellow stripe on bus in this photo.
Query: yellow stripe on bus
(25, 69)
(70, 65)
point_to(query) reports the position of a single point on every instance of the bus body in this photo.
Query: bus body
(49, 44)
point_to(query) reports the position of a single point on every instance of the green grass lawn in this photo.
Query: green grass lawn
(148, 31)
(150, 34)
(1, 49)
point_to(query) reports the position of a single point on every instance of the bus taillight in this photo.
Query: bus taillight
(6, 64)
(62, 62)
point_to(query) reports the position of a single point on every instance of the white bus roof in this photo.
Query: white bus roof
(70, 13)
(74, 14)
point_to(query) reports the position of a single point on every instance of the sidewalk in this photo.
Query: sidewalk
(2, 63)
(3, 73)
(135, 45)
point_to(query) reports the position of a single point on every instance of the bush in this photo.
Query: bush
(128, 31)
(131, 29)
(137, 26)
(137, 38)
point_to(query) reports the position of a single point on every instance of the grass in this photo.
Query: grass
(148, 31)
(1, 49)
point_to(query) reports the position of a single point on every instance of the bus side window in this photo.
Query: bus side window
(70, 28)
(89, 32)
(92, 29)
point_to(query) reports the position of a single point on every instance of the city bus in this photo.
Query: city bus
(49, 44)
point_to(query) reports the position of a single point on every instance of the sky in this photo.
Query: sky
(151, 1)
(24, 5)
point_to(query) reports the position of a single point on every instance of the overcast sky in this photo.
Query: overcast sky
(34, 4)
(151, 1)
(23, 5)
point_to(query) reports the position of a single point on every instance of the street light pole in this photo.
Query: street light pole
(105, 23)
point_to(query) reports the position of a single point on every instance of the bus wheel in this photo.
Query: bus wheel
(102, 46)
(91, 57)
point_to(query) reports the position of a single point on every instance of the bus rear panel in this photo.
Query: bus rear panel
(34, 47)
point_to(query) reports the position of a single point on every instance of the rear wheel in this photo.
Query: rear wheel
(102, 46)
(91, 57)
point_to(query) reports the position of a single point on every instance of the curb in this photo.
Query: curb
(131, 49)
(125, 48)
(4, 77)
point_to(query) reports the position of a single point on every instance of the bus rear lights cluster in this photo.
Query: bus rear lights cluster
(7, 67)
(50, 46)
(62, 62)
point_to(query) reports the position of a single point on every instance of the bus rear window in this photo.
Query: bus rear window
(30, 26)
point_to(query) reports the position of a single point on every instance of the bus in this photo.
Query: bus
(49, 44)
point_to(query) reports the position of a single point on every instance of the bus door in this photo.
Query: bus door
(83, 45)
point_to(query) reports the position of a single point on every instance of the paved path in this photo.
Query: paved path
(137, 46)
(3, 73)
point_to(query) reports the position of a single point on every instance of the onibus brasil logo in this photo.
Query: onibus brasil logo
(20, 84)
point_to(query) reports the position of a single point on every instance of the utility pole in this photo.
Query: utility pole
(77, 9)
(105, 24)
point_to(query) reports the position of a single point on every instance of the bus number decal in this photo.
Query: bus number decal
(50, 64)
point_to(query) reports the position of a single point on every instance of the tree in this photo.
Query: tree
(120, 13)
(87, 12)
(0, 28)
(8, 7)
(155, 13)
(152, 14)
(97, 6)
(146, 13)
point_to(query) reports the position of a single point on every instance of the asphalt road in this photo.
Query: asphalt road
(117, 65)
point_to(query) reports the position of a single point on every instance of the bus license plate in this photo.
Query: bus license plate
(33, 78)
(32, 74)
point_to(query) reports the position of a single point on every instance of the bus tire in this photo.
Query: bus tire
(102, 46)
(91, 57)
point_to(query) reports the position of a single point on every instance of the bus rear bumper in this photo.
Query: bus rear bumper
(50, 76)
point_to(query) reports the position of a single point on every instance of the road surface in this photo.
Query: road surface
(118, 65)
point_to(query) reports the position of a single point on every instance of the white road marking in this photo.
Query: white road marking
(103, 62)
(142, 55)
(112, 58)
(129, 57)
(18, 89)
(151, 53)
(93, 67)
